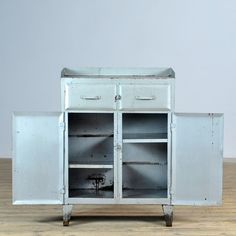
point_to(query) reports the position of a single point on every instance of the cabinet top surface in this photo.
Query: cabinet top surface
(102, 72)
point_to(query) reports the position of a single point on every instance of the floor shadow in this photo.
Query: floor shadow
(50, 219)
(81, 220)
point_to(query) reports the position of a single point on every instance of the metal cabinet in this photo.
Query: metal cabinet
(117, 140)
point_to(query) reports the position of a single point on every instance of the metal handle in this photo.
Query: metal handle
(145, 98)
(91, 98)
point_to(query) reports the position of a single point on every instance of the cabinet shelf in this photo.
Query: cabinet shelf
(90, 166)
(145, 140)
(143, 163)
(145, 135)
(144, 193)
(91, 193)
(90, 135)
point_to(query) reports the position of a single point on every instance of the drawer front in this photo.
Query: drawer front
(90, 97)
(145, 97)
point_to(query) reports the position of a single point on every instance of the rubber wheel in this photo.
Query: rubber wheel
(66, 222)
(169, 220)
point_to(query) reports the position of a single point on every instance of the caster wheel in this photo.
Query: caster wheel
(65, 222)
(169, 220)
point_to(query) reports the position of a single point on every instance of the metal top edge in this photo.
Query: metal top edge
(118, 72)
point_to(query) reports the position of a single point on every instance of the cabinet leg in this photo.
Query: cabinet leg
(168, 214)
(67, 210)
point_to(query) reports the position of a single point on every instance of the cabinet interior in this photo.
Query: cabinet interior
(91, 155)
(144, 156)
(144, 126)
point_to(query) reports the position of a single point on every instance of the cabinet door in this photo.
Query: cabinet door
(197, 158)
(38, 158)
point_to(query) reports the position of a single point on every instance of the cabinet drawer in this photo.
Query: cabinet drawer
(145, 97)
(90, 96)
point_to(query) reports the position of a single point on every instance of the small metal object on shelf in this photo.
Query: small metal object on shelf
(98, 179)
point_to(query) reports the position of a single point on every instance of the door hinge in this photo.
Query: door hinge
(172, 126)
(62, 125)
(62, 190)
(171, 193)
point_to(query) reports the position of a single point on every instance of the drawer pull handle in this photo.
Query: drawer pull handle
(145, 98)
(91, 98)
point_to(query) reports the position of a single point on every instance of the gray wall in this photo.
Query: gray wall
(196, 38)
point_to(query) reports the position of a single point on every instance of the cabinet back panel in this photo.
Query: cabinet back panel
(149, 152)
(90, 149)
(144, 124)
(83, 178)
(144, 176)
(90, 123)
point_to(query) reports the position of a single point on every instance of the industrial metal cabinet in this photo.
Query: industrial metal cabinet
(117, 141)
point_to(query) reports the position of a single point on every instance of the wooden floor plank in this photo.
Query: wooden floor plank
(117, 219)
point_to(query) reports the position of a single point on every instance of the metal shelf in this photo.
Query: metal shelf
(144, 193)
(90, 166)
(90, 135)
(145, 140)
(145, 136)
(90, 193)
(143, 163)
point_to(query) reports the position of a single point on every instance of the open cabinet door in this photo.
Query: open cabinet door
(197, 159)
(38, 158)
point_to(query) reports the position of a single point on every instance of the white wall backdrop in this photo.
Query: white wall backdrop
(196, 38)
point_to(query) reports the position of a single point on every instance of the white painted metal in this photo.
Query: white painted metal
(38, 158)
(145, 140)
(66, 161)
(67, 211)
(169, 158)
(116, 159)
(119, 147)
(104, 100)
(145, 97)
(146, 145)
(89, 166)
(197, 157)
(89, 96)
(118, 72)
(108, 201)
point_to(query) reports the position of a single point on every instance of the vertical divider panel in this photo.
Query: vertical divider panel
(115, 161)
(119, 153)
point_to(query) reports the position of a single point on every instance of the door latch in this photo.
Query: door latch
(117, 97)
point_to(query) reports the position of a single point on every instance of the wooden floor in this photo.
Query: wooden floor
(117, 220)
